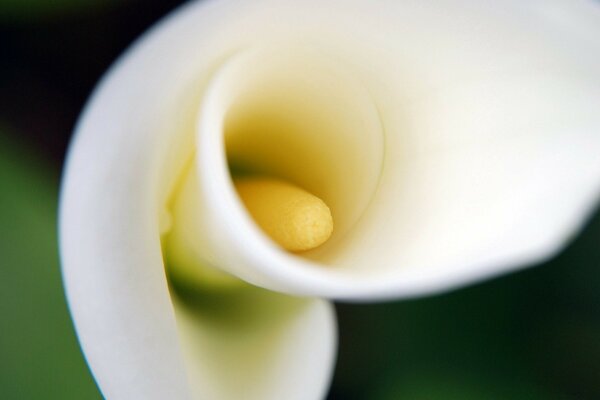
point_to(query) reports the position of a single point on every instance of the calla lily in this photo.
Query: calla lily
(453, 140)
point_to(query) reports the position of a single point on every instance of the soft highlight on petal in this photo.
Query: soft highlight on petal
(457, 140)
(489, 160)
(131, 142)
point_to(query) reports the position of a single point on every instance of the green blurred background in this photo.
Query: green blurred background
(530, 335)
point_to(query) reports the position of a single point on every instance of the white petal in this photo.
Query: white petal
(120, 165)
(256, 344)
(490, 157)
(417, 60)
(112, 262)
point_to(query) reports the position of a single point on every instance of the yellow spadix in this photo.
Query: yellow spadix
(291, 216)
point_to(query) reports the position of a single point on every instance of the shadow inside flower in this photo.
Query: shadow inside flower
(237, 341)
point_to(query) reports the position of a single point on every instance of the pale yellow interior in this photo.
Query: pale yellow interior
(312, 123)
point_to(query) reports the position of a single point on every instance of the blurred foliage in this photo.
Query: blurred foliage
(39, 354)
(36, 10)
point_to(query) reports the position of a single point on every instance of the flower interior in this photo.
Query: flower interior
(309, 122)
(303, 120)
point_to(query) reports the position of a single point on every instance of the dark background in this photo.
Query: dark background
(530, 335)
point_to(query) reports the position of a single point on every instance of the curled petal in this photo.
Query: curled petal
(454, 140)
(467, 146)
(128, 147)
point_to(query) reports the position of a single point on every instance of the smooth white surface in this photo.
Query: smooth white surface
(489, 111)
(127, 148)
(491, 148)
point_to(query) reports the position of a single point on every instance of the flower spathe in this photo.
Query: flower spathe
(453, 140)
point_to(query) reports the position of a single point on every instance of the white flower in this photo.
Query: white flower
(454, 140)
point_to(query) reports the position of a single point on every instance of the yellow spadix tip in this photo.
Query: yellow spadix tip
(292, 217)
